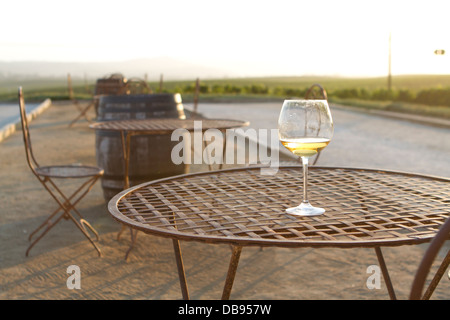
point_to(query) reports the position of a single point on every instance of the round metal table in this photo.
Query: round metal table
(166, 125)
(242, 207)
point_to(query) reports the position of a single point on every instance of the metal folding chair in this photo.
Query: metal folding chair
(46, 175)
(114, 84)
(83, 111)
(426, 263)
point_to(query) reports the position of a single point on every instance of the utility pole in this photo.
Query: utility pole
(389, 72)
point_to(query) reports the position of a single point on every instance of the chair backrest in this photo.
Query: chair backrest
(316, 92)
(428, 259)
(136, 86)
(26, 133)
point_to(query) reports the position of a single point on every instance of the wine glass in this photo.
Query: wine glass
(305, 127)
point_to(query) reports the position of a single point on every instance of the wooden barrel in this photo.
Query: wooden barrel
(150, 155)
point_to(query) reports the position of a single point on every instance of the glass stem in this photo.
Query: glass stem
(305, 180)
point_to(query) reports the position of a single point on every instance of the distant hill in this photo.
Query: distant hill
(171, 69)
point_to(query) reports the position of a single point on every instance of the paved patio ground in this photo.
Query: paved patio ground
(360, 140)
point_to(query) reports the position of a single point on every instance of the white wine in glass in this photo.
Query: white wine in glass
(305, 127)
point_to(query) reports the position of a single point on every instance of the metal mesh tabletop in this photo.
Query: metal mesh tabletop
(165, 126)
(364, 208)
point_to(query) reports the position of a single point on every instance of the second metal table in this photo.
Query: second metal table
(158, 126)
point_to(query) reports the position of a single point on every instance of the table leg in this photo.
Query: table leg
(180, 267)
(224, 148)
(126, 142)
(437, 277)
(205, 145)
(188, 159)
(234, 261)
(385, 272)
(133, 236)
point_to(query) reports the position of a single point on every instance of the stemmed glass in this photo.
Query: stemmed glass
(305, 127)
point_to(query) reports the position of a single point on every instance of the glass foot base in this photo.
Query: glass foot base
(305, 209)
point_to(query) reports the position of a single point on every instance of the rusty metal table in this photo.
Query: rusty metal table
(364, 208)
(159, 126)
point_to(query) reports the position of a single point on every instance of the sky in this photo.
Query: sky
(277, 37)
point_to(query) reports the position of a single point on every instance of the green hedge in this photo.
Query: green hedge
(431, 97)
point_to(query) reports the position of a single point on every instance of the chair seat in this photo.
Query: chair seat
(69, 171)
